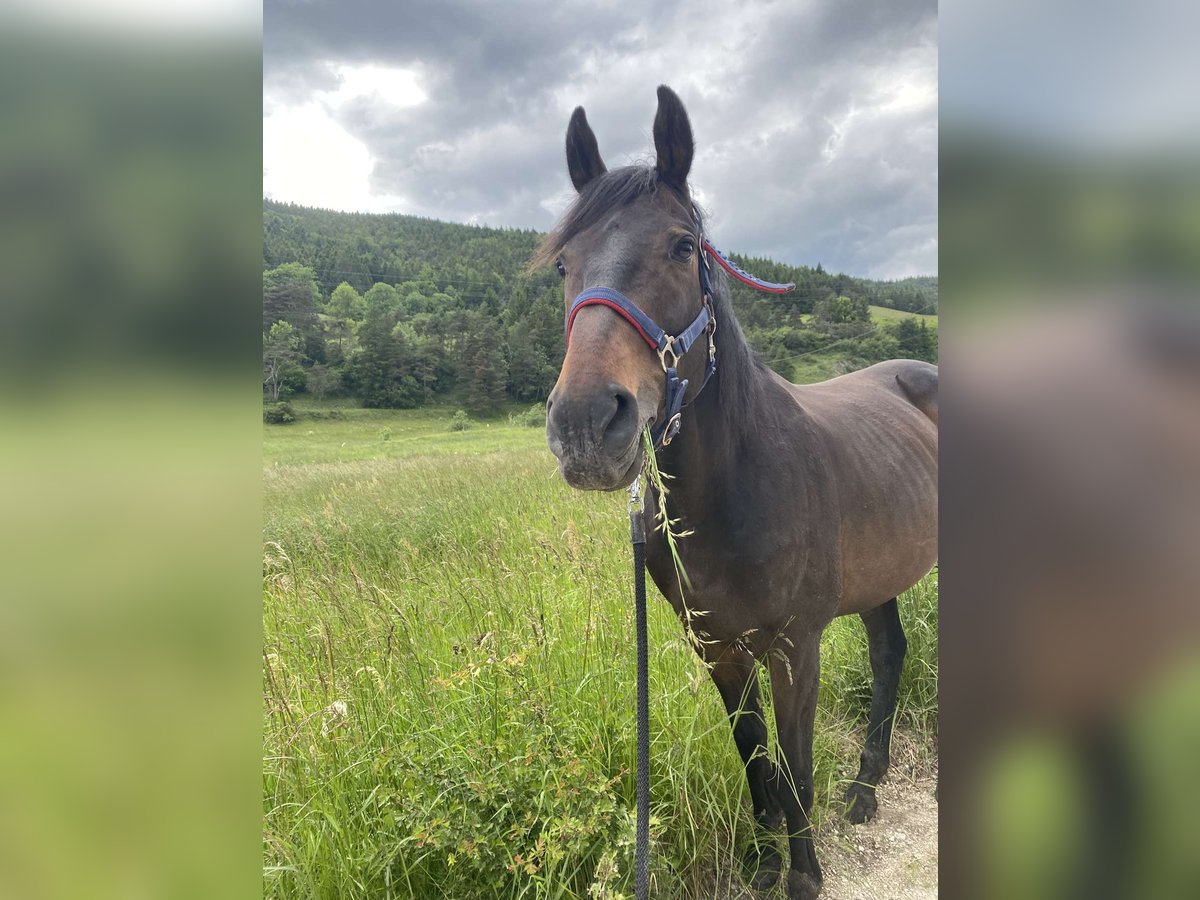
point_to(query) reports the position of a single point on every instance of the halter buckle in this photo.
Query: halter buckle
(668, 349)
(672, 428)
(711, 331)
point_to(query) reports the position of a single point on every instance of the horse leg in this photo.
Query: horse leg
(735, 674)
(888, 645)
(1112, 815)
(794, 682)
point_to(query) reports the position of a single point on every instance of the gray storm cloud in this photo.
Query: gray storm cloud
(816, 123)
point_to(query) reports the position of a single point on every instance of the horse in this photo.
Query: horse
(801, 502)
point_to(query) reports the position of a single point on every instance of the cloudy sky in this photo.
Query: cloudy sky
(815, 120)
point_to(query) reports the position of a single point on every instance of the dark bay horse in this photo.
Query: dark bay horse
(805, 502)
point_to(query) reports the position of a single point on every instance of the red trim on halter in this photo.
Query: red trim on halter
(591, 301)
(748, 280)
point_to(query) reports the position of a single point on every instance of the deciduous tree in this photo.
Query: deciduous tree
(281, 354)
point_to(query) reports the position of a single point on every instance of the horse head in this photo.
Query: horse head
(632, 233)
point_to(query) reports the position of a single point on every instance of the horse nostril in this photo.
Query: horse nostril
(621, 428)
(604, 422)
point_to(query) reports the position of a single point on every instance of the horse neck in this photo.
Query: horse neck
(725, 419)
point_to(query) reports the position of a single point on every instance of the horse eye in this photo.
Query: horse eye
(684, 249)
(562, 270)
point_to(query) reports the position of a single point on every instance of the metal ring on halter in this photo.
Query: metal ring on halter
(668, 348)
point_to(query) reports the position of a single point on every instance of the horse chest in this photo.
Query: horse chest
(749, 589)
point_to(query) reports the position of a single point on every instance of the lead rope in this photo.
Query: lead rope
(641, 847)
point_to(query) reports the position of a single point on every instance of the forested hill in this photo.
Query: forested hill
(364, 248)
(396, 310)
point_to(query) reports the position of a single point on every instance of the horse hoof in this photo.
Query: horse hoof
(764, 865)
(802, 886)
(861, 805)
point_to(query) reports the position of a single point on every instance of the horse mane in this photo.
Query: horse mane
(738, 366)
(737, 363)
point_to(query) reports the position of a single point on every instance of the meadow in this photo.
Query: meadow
(448, 678)
(882, 314)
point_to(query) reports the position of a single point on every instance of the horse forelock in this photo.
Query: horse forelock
(600, 196)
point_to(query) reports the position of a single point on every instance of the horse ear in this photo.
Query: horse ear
(672, 139)
(583, 154)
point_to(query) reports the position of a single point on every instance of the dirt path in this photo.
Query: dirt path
(893, 857)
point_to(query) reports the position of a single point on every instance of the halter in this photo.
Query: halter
(671, 348)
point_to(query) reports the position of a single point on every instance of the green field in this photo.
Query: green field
(881, 314)
(449, 677)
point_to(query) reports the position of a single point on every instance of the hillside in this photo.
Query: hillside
(365, 248)
(396, 310)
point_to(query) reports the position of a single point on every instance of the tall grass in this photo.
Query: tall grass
(448, 681)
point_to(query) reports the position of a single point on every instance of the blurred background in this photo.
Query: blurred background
(1070, 606)
(129, 511)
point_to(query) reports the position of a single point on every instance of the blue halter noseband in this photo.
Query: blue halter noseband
(671, 348)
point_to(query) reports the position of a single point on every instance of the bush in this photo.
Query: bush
(279, 414)
(323, 381)
(401, 393)
(460, 421)
(879, 346)
(534, 417)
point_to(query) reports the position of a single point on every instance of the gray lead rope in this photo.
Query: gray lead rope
(641, 849)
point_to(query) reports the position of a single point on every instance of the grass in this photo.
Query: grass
(375, 434)
(817, 366)
(881, 314)
(449, 677)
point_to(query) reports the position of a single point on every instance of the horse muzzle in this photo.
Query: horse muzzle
(596, 438)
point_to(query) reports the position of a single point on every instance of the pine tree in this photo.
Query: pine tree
(488, 377)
